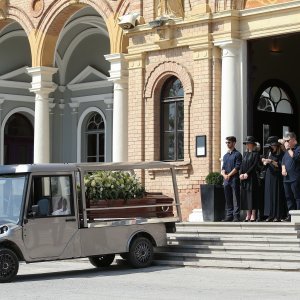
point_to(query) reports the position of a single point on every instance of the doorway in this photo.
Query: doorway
(18, 140)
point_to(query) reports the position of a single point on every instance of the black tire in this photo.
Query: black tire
(102, 260)
(9, 265)
(140, 253)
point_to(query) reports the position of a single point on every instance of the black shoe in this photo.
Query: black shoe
(269, 219)
(236, 219)
(287, 219)
(227, 219)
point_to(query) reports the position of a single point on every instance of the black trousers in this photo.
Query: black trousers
(292, 194)
(232, 199)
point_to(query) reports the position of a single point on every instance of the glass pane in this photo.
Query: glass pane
(180, 146)
(285, 130)
(101, 145)
(275, 93)
(169, 116)
(180, 115)
(92, 145)
(95, 122)
(265, 105)
(169, 153)
(284, 107)
(172, 88)
(266, 134)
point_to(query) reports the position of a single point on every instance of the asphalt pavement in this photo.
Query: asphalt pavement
(77, 279)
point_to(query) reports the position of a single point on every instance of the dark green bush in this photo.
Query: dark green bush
(214, 178)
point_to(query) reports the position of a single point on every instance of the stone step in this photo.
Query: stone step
(230, 249)
(237, 224)
(276, 257)
(244, 234)
(236, 241)
(266, 265)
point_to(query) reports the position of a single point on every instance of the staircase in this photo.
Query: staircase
(233, 245)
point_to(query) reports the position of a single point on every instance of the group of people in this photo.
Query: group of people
(266, 186)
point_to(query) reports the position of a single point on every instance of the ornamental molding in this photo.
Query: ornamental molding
(163, 70)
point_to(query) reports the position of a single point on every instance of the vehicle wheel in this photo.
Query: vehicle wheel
(9, 265)
(140, 253)
(102, 260)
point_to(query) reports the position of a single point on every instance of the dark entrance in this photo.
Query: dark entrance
(18, 140)
(274, 112)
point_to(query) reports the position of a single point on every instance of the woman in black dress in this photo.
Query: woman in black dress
(249, 181)
(275, 204)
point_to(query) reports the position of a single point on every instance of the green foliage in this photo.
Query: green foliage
(214, 178)
(112, 185)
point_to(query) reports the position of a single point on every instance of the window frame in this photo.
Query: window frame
(177, 100)
(98, 133)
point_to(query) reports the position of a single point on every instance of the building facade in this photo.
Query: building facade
(118, 80)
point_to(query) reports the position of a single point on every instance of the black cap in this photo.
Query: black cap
(272, 141)
(249, 140)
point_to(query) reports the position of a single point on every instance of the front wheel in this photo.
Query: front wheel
(140, 253)
(9, 265)
(102, 261)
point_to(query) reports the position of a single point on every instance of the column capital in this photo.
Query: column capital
(42, 83)
(230, 47)
(118, 67)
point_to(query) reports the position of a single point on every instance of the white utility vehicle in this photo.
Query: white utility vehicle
(34, 229)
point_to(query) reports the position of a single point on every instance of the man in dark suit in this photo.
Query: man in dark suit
(230, 170)
(291, 172)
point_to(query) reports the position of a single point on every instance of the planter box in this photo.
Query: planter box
(213, 202)
(143, 212)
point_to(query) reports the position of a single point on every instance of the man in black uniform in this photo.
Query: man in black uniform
(291, 172)
(230, 170)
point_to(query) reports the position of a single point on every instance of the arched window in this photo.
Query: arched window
(95, 131)
(275, 99)
(172, 120)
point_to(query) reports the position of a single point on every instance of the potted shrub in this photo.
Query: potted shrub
(213, 198)
(108, 189)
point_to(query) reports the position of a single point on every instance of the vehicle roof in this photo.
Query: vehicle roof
(70, 167)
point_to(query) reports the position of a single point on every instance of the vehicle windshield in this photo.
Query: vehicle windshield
(11, 196)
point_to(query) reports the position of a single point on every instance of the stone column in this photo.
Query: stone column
(233, 92)
(119, 76)
(42, 86)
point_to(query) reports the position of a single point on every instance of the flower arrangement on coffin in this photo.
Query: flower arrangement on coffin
(112, 185)
(118, 188)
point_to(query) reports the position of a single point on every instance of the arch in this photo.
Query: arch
(21, 110)
(79, 129)
(163, 70)
(18, 15)
(55, 18)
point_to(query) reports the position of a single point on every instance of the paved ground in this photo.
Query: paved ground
(78, 280)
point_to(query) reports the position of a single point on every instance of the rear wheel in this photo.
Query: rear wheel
(102, 260)
(140, 253)
(9, 265)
